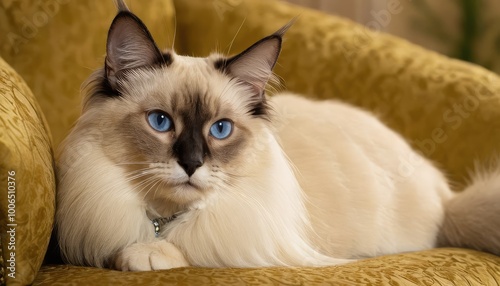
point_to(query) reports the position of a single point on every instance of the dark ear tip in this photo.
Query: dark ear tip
(128, 19)
(121, 6)
(281, 32)
(124, 14)
(121, 16)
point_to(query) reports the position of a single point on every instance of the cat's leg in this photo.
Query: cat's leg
(150, 256)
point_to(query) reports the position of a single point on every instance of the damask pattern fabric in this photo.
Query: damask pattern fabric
(433, 267)
(445, 108)
(25, 148)
(55, 45)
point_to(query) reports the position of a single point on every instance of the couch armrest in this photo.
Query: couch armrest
(445, 108)
(27, 183)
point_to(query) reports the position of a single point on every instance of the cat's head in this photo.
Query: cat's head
(180, 127)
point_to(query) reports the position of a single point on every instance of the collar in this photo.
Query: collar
(160, 222)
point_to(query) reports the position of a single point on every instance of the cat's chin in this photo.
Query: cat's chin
(185, 193)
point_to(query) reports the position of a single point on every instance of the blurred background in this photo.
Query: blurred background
(465, 29)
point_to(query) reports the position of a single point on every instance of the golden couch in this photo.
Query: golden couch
(448, 109)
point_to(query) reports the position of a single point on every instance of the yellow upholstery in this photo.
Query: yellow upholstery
(26, 162)
(433, 267)
(55, 45)
(448, 109)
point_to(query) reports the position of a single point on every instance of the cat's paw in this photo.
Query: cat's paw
(150, 256)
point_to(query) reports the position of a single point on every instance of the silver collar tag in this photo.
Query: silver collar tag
(158, 223)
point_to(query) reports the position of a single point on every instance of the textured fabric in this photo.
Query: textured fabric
(467, 29)
(434, 267)
(24, 149)
(2, 269)
(56, 44)
(445, 108)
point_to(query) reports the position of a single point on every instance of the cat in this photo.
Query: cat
(182, 161)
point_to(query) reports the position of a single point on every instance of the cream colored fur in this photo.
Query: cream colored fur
(348, 196)
(310, 184)
(324, 180)
(361, 199)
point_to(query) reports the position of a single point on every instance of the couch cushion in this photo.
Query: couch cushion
(445, 108)
(55, 45)
(433, 267)
(27, 184)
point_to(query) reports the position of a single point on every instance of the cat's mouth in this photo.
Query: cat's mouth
(188, 184)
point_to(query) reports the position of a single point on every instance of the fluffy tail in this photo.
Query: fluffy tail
(472, 218)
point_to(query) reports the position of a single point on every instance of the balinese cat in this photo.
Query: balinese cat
(181, 161)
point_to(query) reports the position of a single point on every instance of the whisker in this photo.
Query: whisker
(157, 188)
(138, 174)
(154, 182)
(175, 31)
(234, 38)
(144, 184)
(136, 186)
(133, 163)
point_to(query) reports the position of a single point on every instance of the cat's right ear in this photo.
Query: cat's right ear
(121, 6)
(129, 46)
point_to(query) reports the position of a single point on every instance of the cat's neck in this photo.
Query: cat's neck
(238, 226)
(163, 209)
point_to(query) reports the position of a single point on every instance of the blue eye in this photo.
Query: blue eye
(160, 121)
(221, 129)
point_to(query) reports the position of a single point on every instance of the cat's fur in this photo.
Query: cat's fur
(297, 183)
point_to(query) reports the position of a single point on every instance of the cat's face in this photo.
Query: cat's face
(180, 127)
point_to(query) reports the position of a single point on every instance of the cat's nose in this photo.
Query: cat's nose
(190, 166)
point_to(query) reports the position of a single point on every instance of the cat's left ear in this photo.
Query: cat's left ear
(254, 66)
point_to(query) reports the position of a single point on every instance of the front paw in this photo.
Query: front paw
(150, 256)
